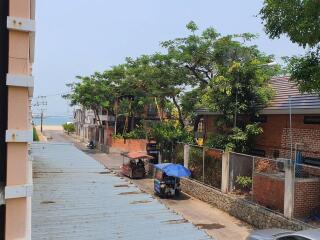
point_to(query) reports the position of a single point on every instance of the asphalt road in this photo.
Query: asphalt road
(216, 223)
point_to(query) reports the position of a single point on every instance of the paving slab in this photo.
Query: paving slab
(75, 197)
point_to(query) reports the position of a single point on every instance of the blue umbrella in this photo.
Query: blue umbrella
(173, 170)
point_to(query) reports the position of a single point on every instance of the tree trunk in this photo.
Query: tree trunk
(132, 122)
(158, 109)
(179, 112)
(96, 114)
(116, 117)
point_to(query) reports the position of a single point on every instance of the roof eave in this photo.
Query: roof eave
(270, 111)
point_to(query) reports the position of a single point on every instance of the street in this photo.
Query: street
(75, 197)
(214, 222)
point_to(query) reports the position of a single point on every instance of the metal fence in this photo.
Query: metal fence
(257, 179)
(173, 153)
(261, 180)
(240, 173)
(206, 165)
(196, 162)
(179, 153)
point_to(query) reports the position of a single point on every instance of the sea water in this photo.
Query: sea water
(53, 120)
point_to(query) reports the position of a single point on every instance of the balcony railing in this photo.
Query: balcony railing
(108, 118)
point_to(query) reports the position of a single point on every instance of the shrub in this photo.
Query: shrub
(238, 140)
(35, 135)
(117, 136)
(244, 182)
(137, 133)
(69, 128)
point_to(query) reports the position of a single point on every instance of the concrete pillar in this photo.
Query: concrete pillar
(186, 155)
(18, 207)
(225, 172)
(289, 188)
(159, 157)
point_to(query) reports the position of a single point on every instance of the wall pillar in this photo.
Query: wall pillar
(159, 157)
(289, 189)
(225, 172)
(19, 80)
(186, 155)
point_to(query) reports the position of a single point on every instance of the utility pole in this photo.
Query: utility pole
(41, 103)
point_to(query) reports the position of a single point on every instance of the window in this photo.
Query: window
(258, 152)
(311, 120)
(311, 161)
(260, 119)
(152, 110)
(201, 126)
(275, 153)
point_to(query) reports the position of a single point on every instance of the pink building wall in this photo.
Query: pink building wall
(19, 133)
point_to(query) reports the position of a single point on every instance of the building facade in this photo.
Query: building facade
(290, 123)
(17, 28)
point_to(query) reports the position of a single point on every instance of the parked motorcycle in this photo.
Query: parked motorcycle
(91, 145)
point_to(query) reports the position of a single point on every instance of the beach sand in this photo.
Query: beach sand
(50, 128)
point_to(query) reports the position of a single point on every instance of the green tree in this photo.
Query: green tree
(227, 76)
(94, 92)
(230, 76)
(299, 20)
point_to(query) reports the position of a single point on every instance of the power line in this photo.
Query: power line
(53, 95)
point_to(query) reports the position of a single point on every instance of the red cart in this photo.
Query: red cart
(134, 164)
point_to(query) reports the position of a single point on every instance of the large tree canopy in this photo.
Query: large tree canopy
(204, 69)
(300, 21)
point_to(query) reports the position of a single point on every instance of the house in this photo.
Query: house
(88, 128)
(278, 139)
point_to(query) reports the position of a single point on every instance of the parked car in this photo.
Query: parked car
(282, 234)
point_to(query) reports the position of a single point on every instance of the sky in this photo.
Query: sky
(79, 37)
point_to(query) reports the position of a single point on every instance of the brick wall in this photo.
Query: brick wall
(130, 145)
(276, 135)
(268, 191)
(251, 213)
(309, 137)
(307, 197)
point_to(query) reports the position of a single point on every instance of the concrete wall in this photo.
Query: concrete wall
(251, 213)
